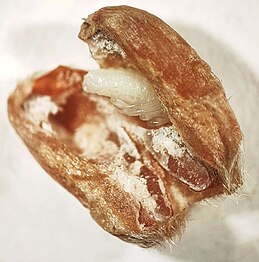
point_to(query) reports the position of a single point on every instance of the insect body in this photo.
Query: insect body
(131, 93)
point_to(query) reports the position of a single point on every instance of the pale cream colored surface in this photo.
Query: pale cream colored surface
(39, 220)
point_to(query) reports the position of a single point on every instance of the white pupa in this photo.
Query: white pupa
(130, 92)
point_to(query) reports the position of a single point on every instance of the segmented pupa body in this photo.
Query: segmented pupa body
(130, 92)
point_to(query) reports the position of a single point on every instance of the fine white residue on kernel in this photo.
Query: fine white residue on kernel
(167, 140)
(100, 45)
(178, 195)
(38, 110)
(136, 187)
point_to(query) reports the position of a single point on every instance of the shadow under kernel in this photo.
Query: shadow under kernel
(208, 236)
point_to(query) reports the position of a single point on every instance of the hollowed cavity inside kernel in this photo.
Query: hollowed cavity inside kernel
(91, 125)
(129, 91)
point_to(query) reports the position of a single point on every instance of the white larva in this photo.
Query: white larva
(130, 92)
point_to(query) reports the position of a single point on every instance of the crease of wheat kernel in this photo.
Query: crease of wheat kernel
(130, 92)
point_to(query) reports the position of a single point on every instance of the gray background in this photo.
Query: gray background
(39, 220)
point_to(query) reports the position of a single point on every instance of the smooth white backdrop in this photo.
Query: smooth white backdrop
(39, 220)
